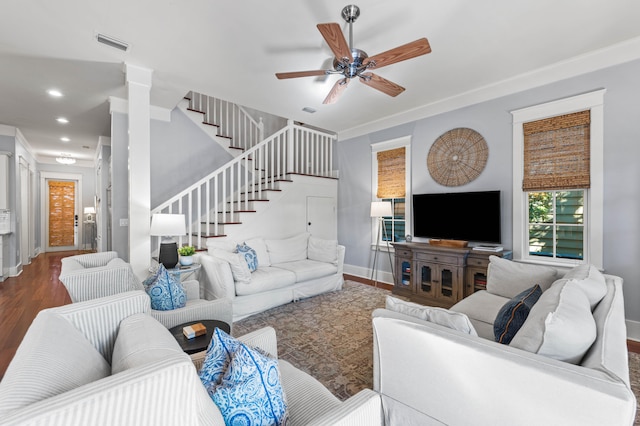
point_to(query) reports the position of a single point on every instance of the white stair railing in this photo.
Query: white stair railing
(233, 121)
(218, 198)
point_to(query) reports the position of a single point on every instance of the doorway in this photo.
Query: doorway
(60, 221)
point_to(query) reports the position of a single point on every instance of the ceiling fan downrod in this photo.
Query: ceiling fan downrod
(350, 14)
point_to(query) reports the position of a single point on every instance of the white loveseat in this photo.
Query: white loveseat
(108, 362)
(431, 374)
(288, 270)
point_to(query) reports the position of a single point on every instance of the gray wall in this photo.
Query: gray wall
(493, 120)
(181, 154)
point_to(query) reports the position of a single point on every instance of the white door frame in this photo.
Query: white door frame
(26, 209)
(44, 202)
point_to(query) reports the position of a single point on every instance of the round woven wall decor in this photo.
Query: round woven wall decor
(457, 157)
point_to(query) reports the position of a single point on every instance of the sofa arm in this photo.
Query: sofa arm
(216, 281)
(341, 252)
(464, 373)
(363, 408)
(196, 310)
(166, 392)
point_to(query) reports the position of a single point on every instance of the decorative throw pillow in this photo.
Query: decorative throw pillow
(250, 392)
(513, 314)
(455, 320)
(165, 290)
(260, 247)
(239, 267)
(217, 358)
(590, 281)
(560, 325)
(250, 256)
(229, 369)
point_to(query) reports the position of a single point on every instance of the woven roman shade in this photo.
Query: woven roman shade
(391, 173)
(557, 153)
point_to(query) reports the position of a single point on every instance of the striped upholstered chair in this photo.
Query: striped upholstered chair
(95, 275)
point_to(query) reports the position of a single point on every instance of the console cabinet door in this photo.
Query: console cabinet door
(438, 282)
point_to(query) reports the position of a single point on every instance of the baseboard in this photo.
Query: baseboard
(367, 281)
(365, 274)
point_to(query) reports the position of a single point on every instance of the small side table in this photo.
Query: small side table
(200, 343)
(181, 272)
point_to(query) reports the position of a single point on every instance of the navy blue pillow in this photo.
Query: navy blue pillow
(513, 314)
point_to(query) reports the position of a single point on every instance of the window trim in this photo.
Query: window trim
(594, 203)
(405, 142)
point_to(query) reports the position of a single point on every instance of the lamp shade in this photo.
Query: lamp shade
(89, 210)
(381, 208)
(168, 225)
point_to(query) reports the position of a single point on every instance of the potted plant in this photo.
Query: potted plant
(186, 255)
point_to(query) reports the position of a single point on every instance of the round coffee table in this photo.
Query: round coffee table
(200, 343)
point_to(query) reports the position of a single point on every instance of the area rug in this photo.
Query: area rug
(330, 337)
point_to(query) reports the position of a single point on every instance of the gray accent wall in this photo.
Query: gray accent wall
(493, 120)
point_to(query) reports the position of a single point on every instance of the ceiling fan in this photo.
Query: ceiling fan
(351, 62)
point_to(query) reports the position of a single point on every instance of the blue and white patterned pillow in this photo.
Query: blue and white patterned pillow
(244, 383)
(249, 255)
(165, 291)
(250, 392)
(216, 361)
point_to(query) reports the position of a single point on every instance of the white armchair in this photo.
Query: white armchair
(95, 275)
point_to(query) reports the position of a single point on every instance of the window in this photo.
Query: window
(390, 163)
(558, 186)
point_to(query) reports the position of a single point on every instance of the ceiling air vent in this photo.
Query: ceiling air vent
(112, 42)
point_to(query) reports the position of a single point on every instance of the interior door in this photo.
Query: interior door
(322, 219)
(62, 215)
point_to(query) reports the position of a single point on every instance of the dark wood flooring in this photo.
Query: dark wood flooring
(38, 287)
(22, 297)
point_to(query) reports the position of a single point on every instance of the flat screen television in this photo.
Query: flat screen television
(468, 216)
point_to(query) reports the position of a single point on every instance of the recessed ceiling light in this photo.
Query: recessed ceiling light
(62, 120)
(54, 93)
(65, 139)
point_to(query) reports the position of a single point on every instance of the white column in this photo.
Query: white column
(139, 88)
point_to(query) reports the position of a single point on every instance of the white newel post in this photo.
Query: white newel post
(139, 87)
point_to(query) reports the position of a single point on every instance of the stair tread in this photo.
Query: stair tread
(195, 110)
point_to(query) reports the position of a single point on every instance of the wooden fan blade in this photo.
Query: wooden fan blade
(400, 53)
(297, 74)
(336, 91)
(335, 39)
(381, 84)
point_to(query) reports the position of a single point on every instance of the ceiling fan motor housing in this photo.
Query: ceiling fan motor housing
(354, 68)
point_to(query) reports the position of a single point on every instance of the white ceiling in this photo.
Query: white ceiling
(232, 49)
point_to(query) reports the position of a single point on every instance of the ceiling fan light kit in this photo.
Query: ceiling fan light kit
(351, 62)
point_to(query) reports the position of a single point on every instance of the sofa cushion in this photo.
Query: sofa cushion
(507, 278)
(288, 249)
(260, 247)
(514, 313)
(323, 250)
(306, 270)
(265, 279)
(239, 267)
(54, 357)
(250, 256)
(560, 325)
(590, 281)
(165, 291)
(141, 339)
(451, 319)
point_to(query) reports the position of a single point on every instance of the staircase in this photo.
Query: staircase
(261, 168)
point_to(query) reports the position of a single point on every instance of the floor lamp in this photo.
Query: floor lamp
(168, 226)
(380, 209)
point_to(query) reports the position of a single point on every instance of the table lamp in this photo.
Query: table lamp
(168, 226)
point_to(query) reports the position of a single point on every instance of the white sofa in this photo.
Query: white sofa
(430, 374)
(288, 270)
(107, 362)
